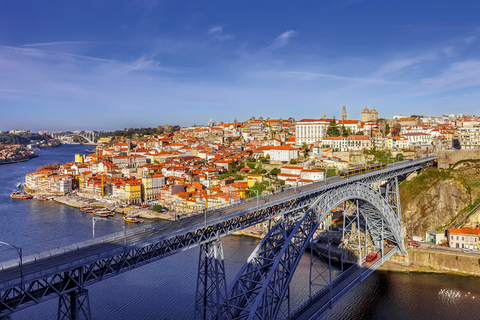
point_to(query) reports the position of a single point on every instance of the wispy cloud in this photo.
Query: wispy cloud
(458, 76)
(282, 39)
(313, 75)
(400, 65)
(218, 34)
(470, 40)
(60, 43)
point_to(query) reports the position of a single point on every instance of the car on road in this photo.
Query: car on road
(413, 243)
(465, 250)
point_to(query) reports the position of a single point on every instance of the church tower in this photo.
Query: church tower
(344, 113)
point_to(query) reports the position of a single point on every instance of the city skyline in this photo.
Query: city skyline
(143, 63)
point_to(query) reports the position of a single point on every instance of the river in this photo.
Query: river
(166, 289)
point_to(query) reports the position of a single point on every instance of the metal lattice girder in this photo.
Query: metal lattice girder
(74, 305)
(372, 203)
(211, 282)
(260, 287)
(45, 281)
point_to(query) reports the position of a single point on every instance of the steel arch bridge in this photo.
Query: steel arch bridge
(299, 220)
(261, 287)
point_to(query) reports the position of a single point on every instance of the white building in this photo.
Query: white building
(310, 130)
(470, 137)
(418, 138)
(283, 153)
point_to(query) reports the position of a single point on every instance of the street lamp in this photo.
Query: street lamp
(19, 251)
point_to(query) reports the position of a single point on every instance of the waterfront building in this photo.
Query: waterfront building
(463, 238)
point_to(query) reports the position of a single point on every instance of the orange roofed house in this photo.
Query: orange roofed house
(463, 238)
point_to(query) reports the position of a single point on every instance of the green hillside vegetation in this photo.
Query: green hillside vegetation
(23, 138)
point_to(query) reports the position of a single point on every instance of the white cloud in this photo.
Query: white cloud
(470, 40)
(402, 64)
(282, 39)
(217, 33)
(57, 43)
(458, 76)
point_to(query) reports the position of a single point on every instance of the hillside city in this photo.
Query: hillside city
(202, 168)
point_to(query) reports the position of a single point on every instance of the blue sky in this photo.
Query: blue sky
(109, 64)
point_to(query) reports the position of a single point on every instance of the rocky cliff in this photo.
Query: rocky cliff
(437, 199)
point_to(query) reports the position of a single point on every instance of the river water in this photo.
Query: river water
(166, 289)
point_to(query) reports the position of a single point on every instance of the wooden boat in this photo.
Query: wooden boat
(43, 198)
(19, 195)
(88, 209)
(104, 213)
(100, 214)
(131, 220)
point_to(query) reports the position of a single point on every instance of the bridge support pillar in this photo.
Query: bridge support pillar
(74, 305)
(211, 282)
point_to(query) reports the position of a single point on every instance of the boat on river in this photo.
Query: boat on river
(20, 195)
(43, 198)
(104, 213)
(88, 209)
(100, 214)
(131, 220)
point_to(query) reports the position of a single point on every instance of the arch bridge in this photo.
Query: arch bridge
(343, 221)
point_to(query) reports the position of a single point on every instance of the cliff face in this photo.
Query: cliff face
(436, 199)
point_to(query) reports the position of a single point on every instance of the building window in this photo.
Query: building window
(463, 238)
(451, 237)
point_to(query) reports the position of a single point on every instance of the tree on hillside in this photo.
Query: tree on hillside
(332, 130)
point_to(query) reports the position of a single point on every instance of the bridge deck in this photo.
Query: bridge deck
(220, 223)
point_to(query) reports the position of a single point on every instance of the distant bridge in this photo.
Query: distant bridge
(90, 136)
(371, 223)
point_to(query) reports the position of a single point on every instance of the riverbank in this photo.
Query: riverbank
(130, 211)
(18, 160)
(427, 260)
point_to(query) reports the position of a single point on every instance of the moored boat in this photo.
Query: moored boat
(104, 213)
(88, 209)
(43, 198)
(20, 195)
(131, 220)
(100, 214)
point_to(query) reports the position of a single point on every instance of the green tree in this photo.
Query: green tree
(293, 161)
(274, 171)
(332, 130)
(157, 208)
(346, 132)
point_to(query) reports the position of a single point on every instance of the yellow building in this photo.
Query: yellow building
(133, 191)
(78, 158)
(254, 178)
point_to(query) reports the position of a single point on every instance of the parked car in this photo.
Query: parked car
(413, 243)
(465, 250)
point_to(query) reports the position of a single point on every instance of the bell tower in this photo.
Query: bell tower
(344, 113)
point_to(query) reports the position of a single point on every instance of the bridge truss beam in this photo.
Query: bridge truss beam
(38, 286)
(261, 286)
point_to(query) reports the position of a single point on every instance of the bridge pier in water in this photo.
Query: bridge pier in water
(211, 282)
(74, 305)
